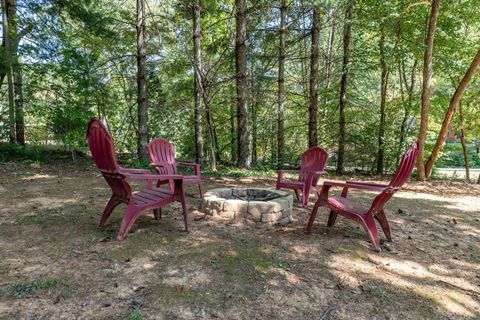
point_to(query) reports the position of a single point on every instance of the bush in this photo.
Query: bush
(452, 156)
(31, 153)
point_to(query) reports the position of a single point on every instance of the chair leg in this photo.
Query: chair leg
(305, 195)
(157, 213)
(296, 193)
(368, 223)
(185, 213)
(331, 218)
(112, 203)
(313, 214)
(382, 219)
(200, 190)
(180, 191)
(131, 214)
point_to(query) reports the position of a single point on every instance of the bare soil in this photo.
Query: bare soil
(56, 263)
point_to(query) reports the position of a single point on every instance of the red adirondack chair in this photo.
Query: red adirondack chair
(162, 155)
(102, 148)
(313, 163)
(366, 216)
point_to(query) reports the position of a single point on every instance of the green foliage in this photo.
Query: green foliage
(22, 290)
(79, 61)
(134, 314)
(16, 152)
(452, 156)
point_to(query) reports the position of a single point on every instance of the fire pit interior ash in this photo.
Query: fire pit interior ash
(261, 205)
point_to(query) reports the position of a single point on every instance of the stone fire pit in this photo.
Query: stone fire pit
(262, 205)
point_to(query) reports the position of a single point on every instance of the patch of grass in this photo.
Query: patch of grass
(232, 172)
(175, 292)
(383, 294)
(134, 314)
(244, 262)
(353, 251)
(283, 265)
(145, 241)
(66, 215)
(8, 230)
(22, 289)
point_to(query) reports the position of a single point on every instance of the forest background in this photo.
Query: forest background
(245, 83)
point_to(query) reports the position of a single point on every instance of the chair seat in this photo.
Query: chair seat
(152, 195)
(345, 205)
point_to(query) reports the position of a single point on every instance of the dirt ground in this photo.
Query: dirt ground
(56, 263)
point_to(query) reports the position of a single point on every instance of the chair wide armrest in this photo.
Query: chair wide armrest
(153, 176)
(323, 193)
(288, 171)
(134, 171)
(330, 183)
(366, 186)
(188, 164)
(195, 166)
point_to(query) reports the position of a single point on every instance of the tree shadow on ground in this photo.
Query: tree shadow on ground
(232, 269)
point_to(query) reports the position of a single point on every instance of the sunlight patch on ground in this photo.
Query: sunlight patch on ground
(470, 230)
(39, 177)
(187, 276)
(448, 292)
(463, 203)
(302, 249)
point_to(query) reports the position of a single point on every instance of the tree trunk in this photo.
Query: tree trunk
(462, 140)
(19, 116)
(211, 134)
(243, 160)
(233, 144)
(454, 102)
(253, 112)
(142, 83)
(383, 103)
(313, 95)
(410, 88)
(198, 82)
(8, 64)
(343, 88)
(281, 86)
(426, 87)
(329, 62)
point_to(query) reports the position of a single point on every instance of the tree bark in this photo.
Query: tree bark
(313, 95)
(383, 103)
(211, 134)
(426, 87)
(454, 102)
(281, 86)
(462, 140)
(233, 144)
(243, 160)
(8, 64)
(329, 61)
(407, 109)
(142, 82)
(253, 112)
(343, 87)
(198, 82)
(19, 116)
